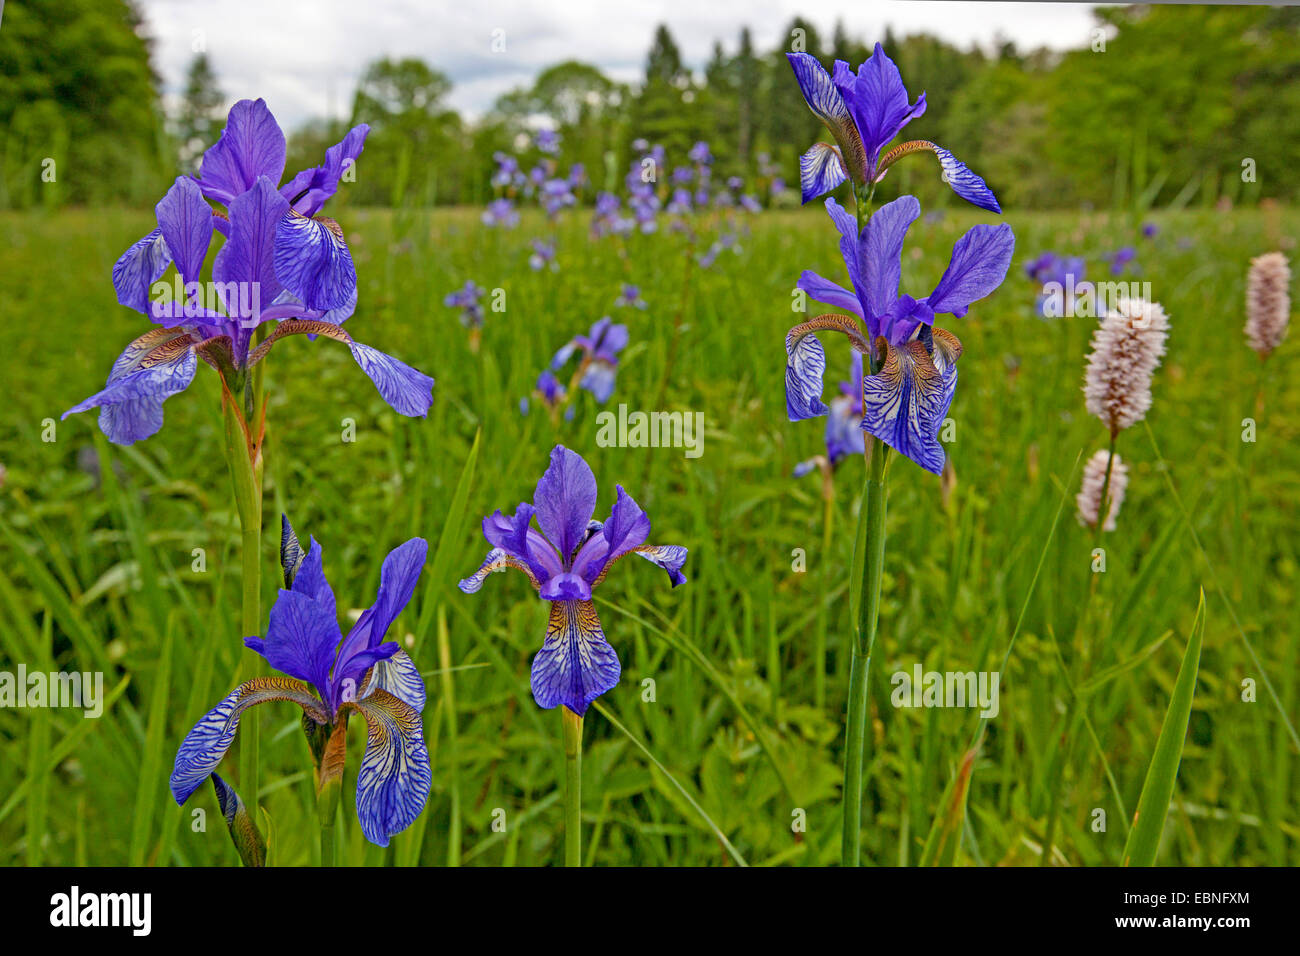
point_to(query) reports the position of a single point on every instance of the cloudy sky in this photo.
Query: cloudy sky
(304, 56)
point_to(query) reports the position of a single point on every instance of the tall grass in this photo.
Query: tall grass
(712, 750)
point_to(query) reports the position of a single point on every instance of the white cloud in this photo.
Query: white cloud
(305, 57)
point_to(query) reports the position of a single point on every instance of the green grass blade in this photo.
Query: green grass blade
(1149, 820)
(708, 821)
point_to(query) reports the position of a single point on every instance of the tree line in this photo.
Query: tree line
(1158, 106)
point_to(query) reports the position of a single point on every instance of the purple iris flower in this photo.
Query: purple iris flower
(280, 263)
(914, 365)
(1150, 230)
(1039, 268)
(1121, 259)
(1062, 280)
(469, 299)
(600, 348)
(630, 297)
(501, 212)
(700, 154)
(507, 170)
(864, 112)
(543, 255)
(681, 203)
(549, 388)
(547, 141)
(556, 195)
(329, 677)
(565, 562)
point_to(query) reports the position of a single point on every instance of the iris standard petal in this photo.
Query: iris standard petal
(309, 578)
(185, 219)
(135, 272)
(576, 664)
(979, 263)
(397, 579)
(565, 500)
(244, 269)
(204, 746)
(904, 403)
(313, 261)
(150, 370)
(251, 145)
(882, 255)
(820, 170)
(877, 101)
(806, 362)
(627, 528)
(312, 187)
(394, 778)
(301, 638)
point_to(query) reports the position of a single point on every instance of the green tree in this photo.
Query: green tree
(199, 119)
(79, 106)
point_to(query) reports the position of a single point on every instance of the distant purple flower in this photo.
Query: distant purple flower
(543, 255)
(682, 175)
(547, 141)
(599, 349)
(1121, 259)
(631, 297)
(700, 154)
(564, 562)
(280, 263)
(333, 676)
(556, 195)
(501, 212)
(1061, 279)
(906, 399)
(507, 173)
(1149, 230)
(735, 183)
(681, 202)
(778, 186)
(864, 113)
(750, 204)
(469, 299)
(577, 175)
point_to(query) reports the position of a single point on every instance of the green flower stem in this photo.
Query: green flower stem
(572, 787)
(328, 854)
(246, 476)
(864, 639)
(823, 615)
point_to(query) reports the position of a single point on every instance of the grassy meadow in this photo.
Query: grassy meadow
(739, 735)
